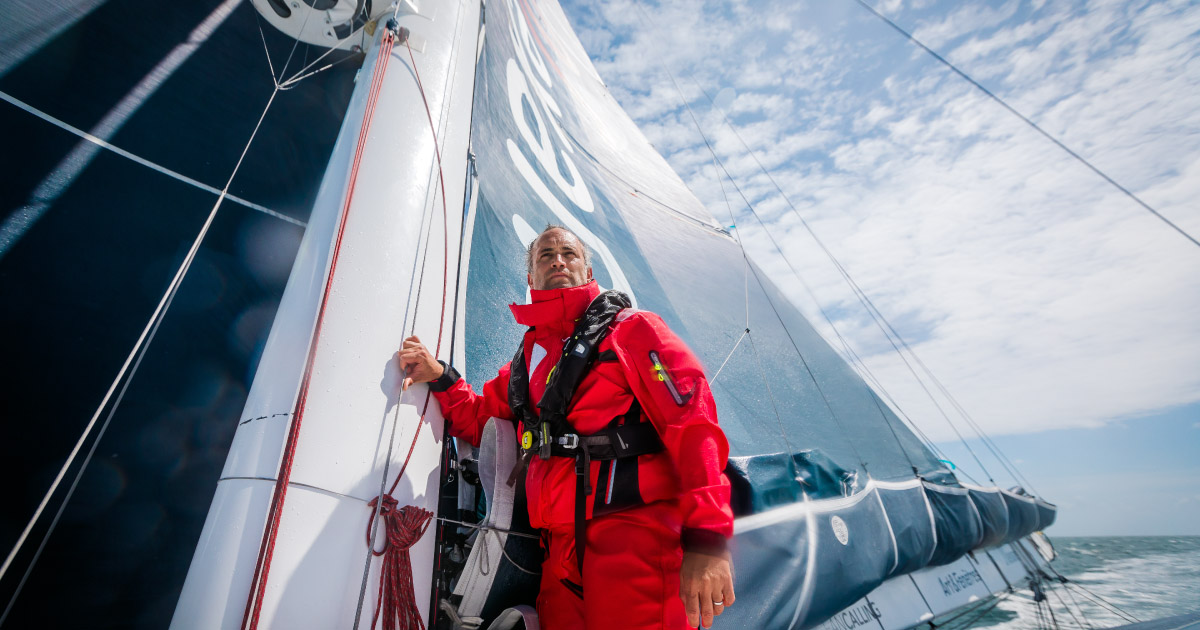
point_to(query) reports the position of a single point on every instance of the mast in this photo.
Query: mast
(377, 260)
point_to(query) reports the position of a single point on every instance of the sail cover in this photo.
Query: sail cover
(834, 492)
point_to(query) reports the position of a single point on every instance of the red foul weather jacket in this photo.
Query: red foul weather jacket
(688, 469)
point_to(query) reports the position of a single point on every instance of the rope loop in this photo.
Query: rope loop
(403, 527)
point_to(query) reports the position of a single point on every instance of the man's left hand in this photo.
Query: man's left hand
(706, 586)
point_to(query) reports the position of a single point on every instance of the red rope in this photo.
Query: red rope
(441, 182)
(266, 549)
(396, 599)
(403, 527)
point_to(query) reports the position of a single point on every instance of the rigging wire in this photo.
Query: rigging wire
(134, 359)
(829, 320)
(718, 163)
(737, 237)
(1070, 612)
(1077, 606)
(1041, 582)
(1039, 613)
(771, 396)
(753, 346)
(876, 316)
(1100, 601)
(305, 72)
(641, 194)
(1027, 121)
(489, 528)
(1050, 607)
(985, 610)
(836, 417)
(295, 43)
(728, 357)
(104, 144)
(86, 460)
(986, 439)
(1084, 592)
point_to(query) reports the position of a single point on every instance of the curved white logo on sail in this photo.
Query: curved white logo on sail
(524, 87)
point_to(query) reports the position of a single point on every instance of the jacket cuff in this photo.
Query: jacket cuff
(449, 377)
(703, 541)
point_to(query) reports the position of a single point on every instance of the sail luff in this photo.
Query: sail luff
(394, 231)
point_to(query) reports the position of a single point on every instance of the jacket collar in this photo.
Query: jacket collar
(555, 306)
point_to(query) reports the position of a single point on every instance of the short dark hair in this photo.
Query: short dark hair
(587, 253)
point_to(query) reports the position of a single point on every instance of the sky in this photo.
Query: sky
(1059, 313)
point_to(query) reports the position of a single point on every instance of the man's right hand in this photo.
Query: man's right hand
(418, 364)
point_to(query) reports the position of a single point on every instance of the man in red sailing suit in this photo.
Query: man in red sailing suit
(661, 564)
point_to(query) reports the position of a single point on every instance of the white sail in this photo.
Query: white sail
(369, 272)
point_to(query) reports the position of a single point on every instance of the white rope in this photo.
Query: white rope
(104, 144)
(266, 51)
(510, 532)
(387, 462)
(74, 163)
(713, 380)
(75, 482)
(484, 567)
(299, 75)
(147, 333)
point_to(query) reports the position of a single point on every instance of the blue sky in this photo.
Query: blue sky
(1057, 311)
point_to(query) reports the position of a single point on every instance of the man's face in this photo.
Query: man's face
(558, 262)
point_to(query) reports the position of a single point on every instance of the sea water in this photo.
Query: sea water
(1147, 578)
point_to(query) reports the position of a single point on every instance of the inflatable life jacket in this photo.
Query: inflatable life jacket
(549, 434)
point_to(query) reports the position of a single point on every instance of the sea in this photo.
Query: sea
(1112, 580)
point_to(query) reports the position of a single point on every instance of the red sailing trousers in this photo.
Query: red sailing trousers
(630, 573)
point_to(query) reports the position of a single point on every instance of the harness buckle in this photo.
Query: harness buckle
(569, 441)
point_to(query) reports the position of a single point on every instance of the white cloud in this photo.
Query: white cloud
(1041, 296)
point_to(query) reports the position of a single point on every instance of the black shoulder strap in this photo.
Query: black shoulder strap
(579, 352)
(518, 387)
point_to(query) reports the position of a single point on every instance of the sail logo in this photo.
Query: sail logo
(537, 117)
(958, 581)
(840, 531)
(860, 614)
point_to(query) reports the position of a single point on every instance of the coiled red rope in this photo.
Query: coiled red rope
(402, 528)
